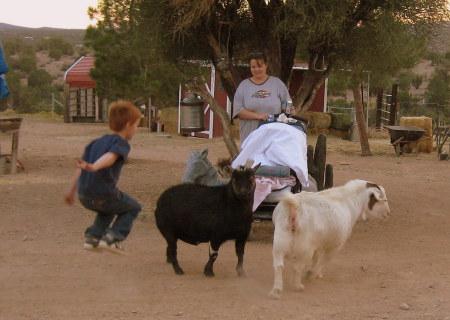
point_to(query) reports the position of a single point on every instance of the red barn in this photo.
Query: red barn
(81, 101)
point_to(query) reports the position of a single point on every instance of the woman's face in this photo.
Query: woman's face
(258, 68)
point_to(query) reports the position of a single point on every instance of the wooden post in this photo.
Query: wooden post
(14, 152)
(393, 109)
(149, 114)
(66, 103)
(379, 106)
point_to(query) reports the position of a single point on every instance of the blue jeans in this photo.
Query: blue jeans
(124, 208)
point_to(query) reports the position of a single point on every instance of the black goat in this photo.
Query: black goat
(197, 213)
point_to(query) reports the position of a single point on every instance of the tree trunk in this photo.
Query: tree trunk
(308, 89)
(221, 113)
(363, 136)
(228, 73)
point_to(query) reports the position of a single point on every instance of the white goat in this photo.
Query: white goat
(312, 226)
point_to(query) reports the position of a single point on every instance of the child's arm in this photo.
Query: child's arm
(69, 197)
(104, 161)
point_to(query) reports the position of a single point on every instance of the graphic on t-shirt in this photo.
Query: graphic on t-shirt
(261, 94)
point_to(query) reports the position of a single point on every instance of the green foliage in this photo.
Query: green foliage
(341, 105)
(417, 80)
(377, 36)
(405, 80)
(13, 47)
(435, 57)
(39, 78)
(338, 82)
(438, 90)
(28, 99)
(128, 63)
(27, 60)
(340, 120)
(56, 47)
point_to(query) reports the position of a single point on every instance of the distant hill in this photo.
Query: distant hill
(9, 32)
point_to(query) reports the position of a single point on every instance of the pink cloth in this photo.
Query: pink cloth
(265, 185)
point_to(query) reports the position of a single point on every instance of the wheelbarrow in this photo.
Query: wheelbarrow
(405, 135)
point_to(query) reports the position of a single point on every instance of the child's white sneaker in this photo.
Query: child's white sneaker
(90, 243)
(109, 243)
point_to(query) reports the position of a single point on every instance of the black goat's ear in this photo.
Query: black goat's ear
(204, 153)
(255, 168)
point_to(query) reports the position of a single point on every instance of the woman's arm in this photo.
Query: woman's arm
(250, 115)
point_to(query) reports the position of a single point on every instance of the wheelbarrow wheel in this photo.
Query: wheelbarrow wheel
(398, 149)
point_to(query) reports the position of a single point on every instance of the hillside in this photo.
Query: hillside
(75, 36)
(9, 32)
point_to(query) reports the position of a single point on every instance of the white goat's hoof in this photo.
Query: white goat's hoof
(275, 294)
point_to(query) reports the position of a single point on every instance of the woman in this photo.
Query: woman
(258, 97)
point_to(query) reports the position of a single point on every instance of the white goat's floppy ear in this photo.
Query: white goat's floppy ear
(380, 194)
(204, 153)
(377, 195)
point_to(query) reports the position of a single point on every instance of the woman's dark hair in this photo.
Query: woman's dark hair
(257, 56)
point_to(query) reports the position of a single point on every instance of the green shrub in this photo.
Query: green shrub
(340, 120)
(39, 78)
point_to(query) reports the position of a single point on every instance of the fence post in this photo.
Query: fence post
(393, 110)
(379, 106)
(66, 103)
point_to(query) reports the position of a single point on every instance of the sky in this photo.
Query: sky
(66, 14)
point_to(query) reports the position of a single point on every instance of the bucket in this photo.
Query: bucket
(192, 118)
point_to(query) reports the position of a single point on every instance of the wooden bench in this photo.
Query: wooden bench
(11, 126)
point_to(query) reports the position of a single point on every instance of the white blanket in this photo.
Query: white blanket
(275, 144)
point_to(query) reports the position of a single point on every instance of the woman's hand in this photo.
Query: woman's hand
(263, 116)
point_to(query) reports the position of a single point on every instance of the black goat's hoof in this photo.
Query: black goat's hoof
(240, 271)
(209, 273)
(179, 271)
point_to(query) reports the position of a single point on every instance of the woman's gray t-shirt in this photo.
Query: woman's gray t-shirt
(266, 97)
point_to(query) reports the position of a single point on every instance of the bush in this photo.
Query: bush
(56, 46)
(340, 121)
(39, 78)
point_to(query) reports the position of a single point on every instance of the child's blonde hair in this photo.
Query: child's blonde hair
(122, 112)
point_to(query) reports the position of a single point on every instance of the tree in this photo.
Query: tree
(128, 65)
(318, 31)
(327, 34)
(438, 90)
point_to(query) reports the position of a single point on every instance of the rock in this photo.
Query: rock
(404, 306)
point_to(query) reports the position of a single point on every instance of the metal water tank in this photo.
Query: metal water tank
(192, 113)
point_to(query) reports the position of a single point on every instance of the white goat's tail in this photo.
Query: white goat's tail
(293, 210)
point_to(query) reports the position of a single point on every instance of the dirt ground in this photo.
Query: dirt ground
(397, 269)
